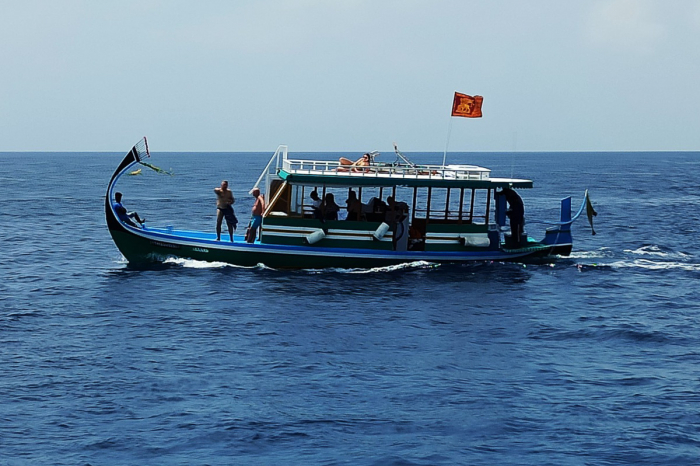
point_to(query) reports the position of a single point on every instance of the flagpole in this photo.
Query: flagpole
(447, 143)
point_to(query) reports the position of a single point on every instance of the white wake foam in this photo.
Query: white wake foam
(388, 268)
(655, 251)
(394, 268)
(600, 253)
(655, 265)
(195, 264)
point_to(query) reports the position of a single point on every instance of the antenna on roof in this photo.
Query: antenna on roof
(399, 155)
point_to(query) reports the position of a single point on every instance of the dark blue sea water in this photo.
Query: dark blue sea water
(592, 360)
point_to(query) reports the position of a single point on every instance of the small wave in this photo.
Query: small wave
(604, 334)
(602, 252)
(656, 251)
(388, 268)
(655, 265)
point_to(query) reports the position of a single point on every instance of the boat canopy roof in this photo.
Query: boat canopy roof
(316, 172)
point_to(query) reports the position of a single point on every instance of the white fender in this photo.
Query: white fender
(315, 237)
(475, 240)
(381, 231)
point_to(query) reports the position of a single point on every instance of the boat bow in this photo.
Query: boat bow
(134, 156)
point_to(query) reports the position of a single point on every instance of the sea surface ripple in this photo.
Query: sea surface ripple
(593, 359)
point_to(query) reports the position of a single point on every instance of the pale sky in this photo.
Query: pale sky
(349, 75)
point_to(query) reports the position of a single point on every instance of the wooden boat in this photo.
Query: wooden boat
(441, 214)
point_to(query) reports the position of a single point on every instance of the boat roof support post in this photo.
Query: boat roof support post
(488, 205)
(447, 203)
(289, 201)
(427, 208)
(413, 208)
(471, 206)
(461, 205)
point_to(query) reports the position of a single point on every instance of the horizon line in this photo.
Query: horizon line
(573, 151)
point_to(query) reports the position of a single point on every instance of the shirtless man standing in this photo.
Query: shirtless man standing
(257, 211)
(224, 209)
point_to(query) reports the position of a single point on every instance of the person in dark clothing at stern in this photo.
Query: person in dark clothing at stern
(516, 213)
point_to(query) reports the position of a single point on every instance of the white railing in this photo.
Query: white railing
(278, 157)
(379, 170)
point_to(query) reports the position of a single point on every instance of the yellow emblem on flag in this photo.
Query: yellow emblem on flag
(467, 106)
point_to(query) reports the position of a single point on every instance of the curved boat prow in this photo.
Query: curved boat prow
(115, 226)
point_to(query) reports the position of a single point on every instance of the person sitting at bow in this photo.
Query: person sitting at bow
(123, 214)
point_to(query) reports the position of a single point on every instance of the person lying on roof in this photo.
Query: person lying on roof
(361, 162)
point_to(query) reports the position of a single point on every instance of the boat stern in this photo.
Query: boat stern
(559, 236)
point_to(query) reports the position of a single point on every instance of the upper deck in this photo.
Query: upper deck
(334, 173)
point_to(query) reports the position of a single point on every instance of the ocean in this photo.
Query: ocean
(593, 359)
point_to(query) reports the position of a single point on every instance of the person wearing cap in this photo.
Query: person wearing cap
(258, 209)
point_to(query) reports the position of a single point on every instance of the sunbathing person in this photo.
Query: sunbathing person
(361, 162)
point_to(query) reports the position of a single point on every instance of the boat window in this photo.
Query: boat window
(437, 205)
(451, 205)
(302, 204)
(297, 202)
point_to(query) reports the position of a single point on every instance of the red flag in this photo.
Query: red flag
(467, 106)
